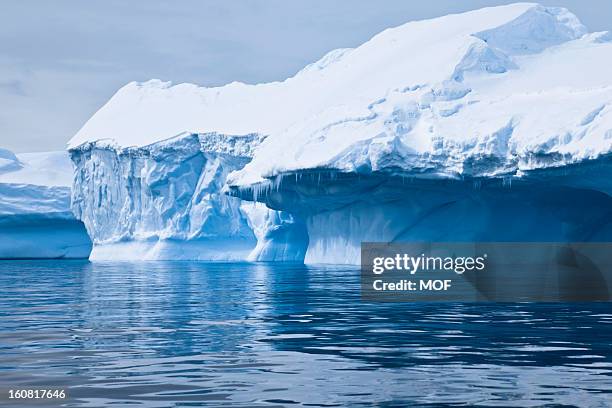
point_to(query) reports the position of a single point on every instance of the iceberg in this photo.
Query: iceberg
(35, 216)
(490, 125)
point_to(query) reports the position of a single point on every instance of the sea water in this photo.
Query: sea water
(163, 334)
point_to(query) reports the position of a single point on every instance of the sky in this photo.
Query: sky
(61, 60)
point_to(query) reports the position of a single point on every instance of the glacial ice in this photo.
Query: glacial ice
(489, 125)
(342, 210)
(35, 216)
(165, 201)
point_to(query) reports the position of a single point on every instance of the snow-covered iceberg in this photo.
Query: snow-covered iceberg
(35, 216)
(494, 124)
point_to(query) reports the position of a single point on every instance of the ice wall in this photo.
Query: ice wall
(165, 201)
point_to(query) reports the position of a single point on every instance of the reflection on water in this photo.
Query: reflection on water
(156, 334)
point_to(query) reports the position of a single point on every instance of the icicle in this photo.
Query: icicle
(278, 179)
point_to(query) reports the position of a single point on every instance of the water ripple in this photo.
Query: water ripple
(180, 333)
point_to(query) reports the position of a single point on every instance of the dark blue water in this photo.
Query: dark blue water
(192, 334)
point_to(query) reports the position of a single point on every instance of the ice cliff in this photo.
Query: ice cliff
(494, 124)
(35, 216)
(164, 201)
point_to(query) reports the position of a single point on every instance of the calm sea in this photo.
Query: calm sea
(165, 334)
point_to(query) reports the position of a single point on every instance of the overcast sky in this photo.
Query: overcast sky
(61, 60)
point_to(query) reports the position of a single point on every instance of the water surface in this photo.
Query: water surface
(164, 334)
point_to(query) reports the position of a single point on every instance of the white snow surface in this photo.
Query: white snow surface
(519, 83)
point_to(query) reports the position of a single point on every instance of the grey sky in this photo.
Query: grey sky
(61, 60)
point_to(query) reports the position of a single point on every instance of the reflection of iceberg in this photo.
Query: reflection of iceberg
(229, 334)
(35, 216)
(179, 313)
(454, 128)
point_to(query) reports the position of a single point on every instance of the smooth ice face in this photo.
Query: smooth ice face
(35, 216)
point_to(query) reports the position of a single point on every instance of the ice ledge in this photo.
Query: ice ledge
(340, 210)
(211, 142)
